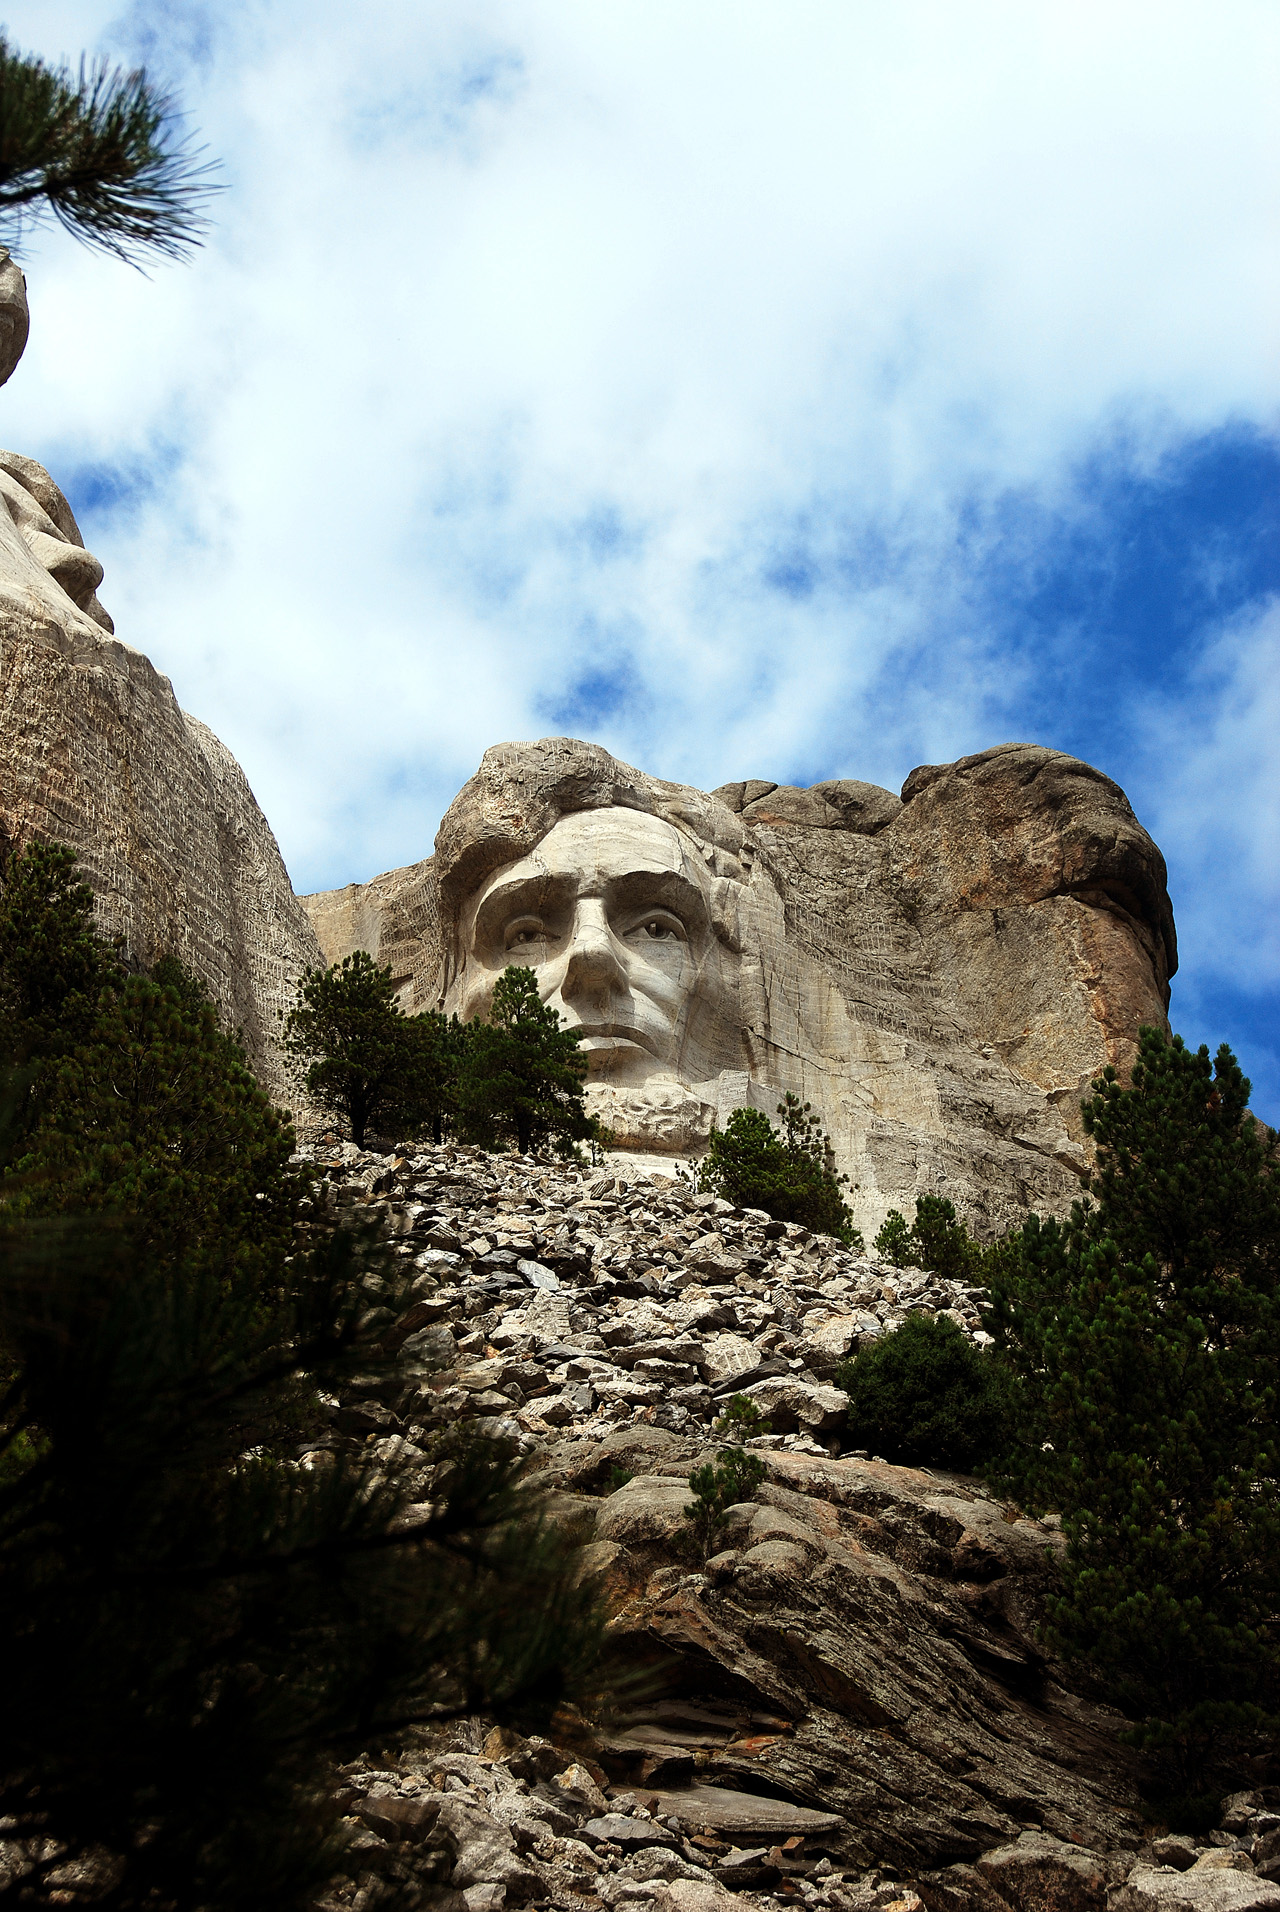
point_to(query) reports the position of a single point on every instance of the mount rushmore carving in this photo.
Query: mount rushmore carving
(939, 973)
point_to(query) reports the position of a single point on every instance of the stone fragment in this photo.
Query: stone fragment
(1173, 1851)
(741, 1816)
(790, 1403)
(1041, 1874)
(725, 1357)
(631, 1834)
(1152, 1889)
(661, 1862)
(694, 1895)
(484, 1852)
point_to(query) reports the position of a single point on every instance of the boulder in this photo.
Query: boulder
(788, 1404)
(1202, 1889)
(647, 1511)
(484, 1852)
(1039, 1874)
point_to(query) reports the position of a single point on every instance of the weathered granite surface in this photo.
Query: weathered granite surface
(941, 974)
(94, 752)
(849, 1701)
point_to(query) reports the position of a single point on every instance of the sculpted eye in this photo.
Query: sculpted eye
(660, 929)
(527, 930)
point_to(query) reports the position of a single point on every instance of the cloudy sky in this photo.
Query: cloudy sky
(784, 390)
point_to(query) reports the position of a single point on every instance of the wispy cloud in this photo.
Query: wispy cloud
(779, 391)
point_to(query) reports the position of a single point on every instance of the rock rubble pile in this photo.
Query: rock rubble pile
(848, 1704)
(555, 1297)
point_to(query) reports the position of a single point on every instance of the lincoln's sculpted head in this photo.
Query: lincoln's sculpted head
(612, 912)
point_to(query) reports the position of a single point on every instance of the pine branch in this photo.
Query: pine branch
(102, 155)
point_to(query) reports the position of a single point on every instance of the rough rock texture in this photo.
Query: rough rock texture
(846, 1704)
(95, 752)
(940, 974)
(855, 1666)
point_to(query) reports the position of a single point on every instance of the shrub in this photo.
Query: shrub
(791, 1175)
(936, 1240)
(734, 1476)
(925, 1393)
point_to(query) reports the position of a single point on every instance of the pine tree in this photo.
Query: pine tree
(523, 1075)
(194, 1626)
(53, 963)
(100, 153)
(791, 1174)
(925, 1393)
(1146, 1334)
(359, 1056)
(154, 1116)
(936, 1240)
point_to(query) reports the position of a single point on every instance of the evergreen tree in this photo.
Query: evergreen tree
(523, 1075)
(936, 1240)
(155, 1117)
(53, 963)
(1146, 1333)
(195, 1627)
(359, 1056)
(791, 1175)
(102, 154)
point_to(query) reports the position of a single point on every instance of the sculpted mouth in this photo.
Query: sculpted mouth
(592, 1033)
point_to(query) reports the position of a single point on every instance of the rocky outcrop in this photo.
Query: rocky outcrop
(848, 1702)
(856, 1667)
(95, 753)
(940, 974)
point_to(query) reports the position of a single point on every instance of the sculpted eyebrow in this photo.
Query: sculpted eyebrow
(528, 893)
(665, 887)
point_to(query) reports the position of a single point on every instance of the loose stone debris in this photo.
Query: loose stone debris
(853, 1707)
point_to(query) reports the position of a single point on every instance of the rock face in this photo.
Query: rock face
(941, 974)
(94, 752)
(848, 1701)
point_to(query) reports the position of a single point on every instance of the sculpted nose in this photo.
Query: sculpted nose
(593, 973)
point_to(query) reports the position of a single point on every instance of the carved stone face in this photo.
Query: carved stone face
(611, 913)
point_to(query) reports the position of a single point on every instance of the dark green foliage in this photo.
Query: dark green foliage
(360, 1056)
(894, 1243)
(523, 1075)
(101, 153)
(155, 1117)
(925, 1393)
(935, 1240)
(790, 1175)
(1146, 1331)
(734, 1476)
(194, 1626)
(739, 1419)
(53, 964)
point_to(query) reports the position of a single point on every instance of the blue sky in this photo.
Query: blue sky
(765, 391)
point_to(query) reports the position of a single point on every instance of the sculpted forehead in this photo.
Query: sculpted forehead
(596, 846)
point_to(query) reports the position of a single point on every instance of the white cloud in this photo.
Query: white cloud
(1220, 803)
(527, 329)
